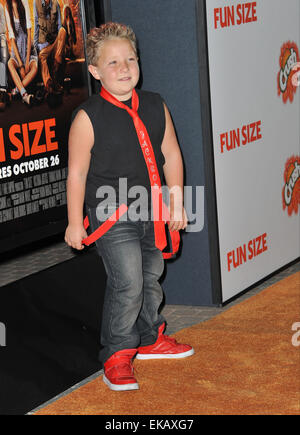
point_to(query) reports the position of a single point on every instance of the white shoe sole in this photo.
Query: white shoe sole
(116, 387)
(165, 356)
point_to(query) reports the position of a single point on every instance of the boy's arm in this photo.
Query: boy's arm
(81, 140)
(173, 172)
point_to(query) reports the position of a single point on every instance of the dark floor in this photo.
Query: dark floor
(177, 316)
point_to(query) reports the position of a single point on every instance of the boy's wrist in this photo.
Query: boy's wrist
(76, 223)
(177, 212)
(176, 196)
(176, 204)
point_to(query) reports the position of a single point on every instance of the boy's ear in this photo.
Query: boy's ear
(94, 71)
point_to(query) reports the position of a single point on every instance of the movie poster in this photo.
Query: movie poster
(43, 78)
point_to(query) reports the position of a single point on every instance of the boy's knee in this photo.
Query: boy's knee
(154, 267)
(131, 283)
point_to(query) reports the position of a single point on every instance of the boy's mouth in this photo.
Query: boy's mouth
(125, 79)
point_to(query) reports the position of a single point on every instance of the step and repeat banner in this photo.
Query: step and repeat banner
(42, 53)
(254, 69)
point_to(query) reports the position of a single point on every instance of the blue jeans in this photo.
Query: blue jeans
(133, 294)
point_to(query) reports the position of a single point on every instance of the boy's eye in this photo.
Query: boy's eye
(113, 62)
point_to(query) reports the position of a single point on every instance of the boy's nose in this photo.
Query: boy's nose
(124, 66)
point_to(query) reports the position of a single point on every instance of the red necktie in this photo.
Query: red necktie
(160, 210)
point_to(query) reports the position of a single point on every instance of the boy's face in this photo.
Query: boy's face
(117, 68)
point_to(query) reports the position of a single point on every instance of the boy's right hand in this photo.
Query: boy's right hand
(74, 235)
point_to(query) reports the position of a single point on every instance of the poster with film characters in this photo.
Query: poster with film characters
(43, 78)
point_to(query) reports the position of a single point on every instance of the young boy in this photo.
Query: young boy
(106, 144)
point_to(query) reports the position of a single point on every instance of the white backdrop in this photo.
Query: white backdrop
(244, 62)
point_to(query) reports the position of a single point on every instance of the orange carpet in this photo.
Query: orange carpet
(245, 363)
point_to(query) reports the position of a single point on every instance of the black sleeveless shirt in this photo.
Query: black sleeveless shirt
(116, 152)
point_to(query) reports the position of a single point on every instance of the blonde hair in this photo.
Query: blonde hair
(107, 31)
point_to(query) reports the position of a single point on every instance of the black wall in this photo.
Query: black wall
(52, 321)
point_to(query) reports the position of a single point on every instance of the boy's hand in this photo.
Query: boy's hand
(74, 236)
(178, 219)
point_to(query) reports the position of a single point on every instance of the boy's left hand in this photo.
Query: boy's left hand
(178, 219)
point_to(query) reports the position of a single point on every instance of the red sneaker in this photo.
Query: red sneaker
(118, 371)
(164, 347)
